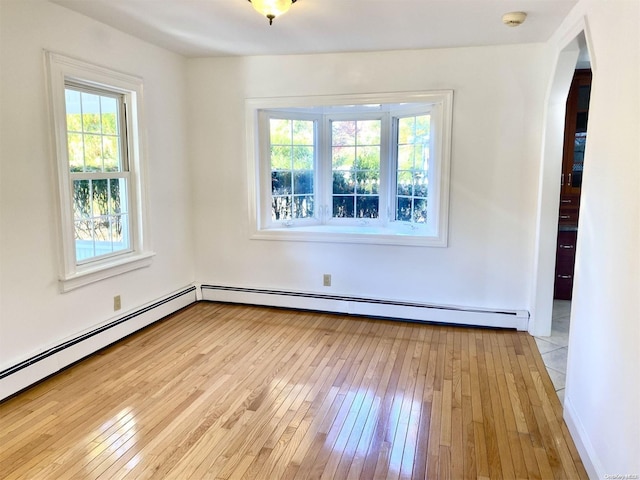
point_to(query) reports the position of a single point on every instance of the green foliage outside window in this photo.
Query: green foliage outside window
(292, 164)
(356, 168)
(93, 145)
(413, 167)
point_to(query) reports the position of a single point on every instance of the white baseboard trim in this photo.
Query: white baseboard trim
(581, 439)
(40, 366)
(370, 307)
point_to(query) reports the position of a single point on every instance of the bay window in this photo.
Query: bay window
(364, 169)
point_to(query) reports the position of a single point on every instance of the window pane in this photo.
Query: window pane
(420, 183)
(281, 208)
(405, 157)
(303, 206)
(420, 210)
(91, 113)
(406, 130)
(422, 157)
(81, 199)
(280, 131)
(281, 183)
(343, 206)
(102, 234)
(368, 132)
(403, 213)
(119, 232)
(74, 122)
(118, 196)
(367, 206)
(367, 182)
(93, 153)
(303, 182)
(303, 158)
(343, 157)
(84, 239)
(74, 112)
(368, 158)
(423, 128)
(75, 148)
(109, 107)
(111, 155)
(343, 182)
(405, 183)
(303, 132)
(281, 158)
(343, 133)
(100, 197)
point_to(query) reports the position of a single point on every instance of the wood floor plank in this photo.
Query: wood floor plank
(529, 455)
(488, 419)
(468, 454)
(482, 458)
(230, 392)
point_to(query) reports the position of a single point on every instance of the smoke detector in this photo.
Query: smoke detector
(513, 19)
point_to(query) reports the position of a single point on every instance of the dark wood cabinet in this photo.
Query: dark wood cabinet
(565, 261)
(575, 132)
(575, 136)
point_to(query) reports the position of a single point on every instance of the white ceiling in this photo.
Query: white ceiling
(198, 28)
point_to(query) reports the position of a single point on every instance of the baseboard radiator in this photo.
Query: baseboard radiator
(46, 363)
(362, 306)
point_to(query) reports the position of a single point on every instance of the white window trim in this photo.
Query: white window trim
(60, 70)
(400, 233)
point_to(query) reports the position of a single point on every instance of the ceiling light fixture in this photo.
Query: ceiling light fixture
(272, 8)
(513, 19)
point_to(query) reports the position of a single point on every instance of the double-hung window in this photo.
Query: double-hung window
(96, 117)
(365, 169)
(98, 171)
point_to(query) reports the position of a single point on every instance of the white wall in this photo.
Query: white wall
(497, 120)
(33, 314)
(602, 399)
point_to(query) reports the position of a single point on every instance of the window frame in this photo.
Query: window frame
(265, 174)
(123, 172)
(433, 175)
(64, 71)
(393, 232)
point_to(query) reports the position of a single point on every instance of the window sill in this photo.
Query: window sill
(104, 270)
(352, 234)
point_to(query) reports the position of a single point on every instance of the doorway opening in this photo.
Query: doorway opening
(553, 345)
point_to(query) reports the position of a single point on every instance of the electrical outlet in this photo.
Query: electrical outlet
(117, 303)
(326, 280)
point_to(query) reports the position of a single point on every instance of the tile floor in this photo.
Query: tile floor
(554, 348)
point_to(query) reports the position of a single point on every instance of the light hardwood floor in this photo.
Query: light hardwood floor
(228, 392)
